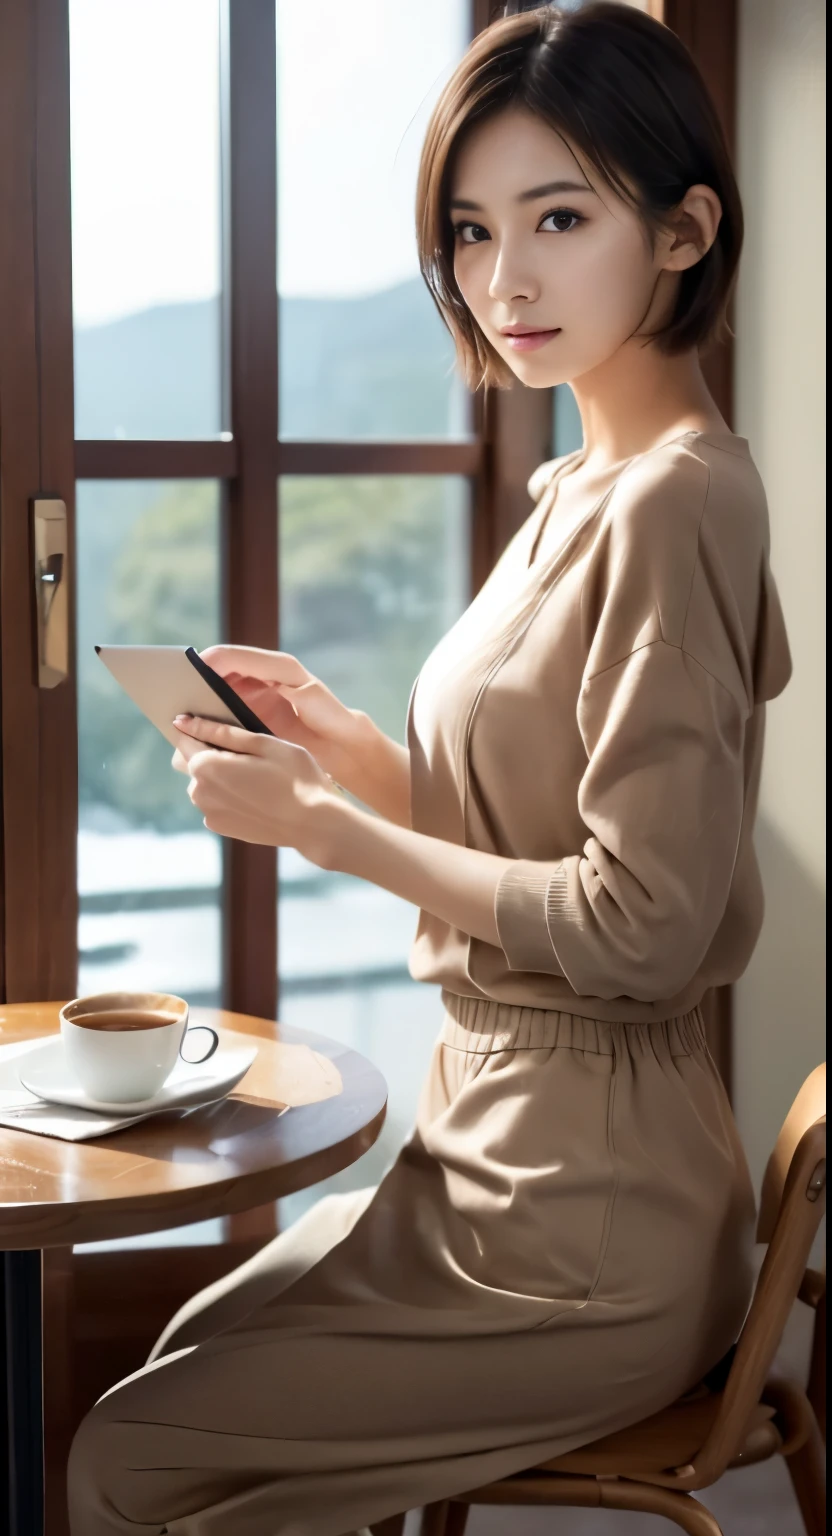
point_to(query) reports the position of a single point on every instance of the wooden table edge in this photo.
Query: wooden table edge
(51, 1224)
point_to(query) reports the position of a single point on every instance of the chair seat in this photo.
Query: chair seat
(669, 1439)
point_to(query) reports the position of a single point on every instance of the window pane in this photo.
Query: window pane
(149, 873)
(373, 571)
(567, 432)
(363, 352)
(144, 78)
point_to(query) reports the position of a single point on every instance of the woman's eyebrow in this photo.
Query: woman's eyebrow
(547, 190)
(553, 186)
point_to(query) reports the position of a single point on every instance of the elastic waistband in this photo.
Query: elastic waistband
(479, 1026)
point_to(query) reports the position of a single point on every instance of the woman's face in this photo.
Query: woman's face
(557, 270)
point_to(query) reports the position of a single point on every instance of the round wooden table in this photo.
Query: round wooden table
(307, 1107)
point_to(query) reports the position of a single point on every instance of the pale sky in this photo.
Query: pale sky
(356, 82)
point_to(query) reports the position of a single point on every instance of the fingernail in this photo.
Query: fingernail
(182, 719)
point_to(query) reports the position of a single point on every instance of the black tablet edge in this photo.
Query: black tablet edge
(246, 716)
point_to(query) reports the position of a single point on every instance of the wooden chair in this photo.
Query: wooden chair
(752, 1414)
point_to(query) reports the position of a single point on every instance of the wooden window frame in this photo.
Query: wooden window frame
(38, 733)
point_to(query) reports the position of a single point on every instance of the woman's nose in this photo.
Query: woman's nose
(511, 279)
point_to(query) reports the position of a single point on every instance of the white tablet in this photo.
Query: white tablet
(169, 680)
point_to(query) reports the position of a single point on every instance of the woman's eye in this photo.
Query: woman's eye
(560, 221)
(471, 234)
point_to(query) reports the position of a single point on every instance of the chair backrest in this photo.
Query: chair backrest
(807, 1109)
(791, 1209)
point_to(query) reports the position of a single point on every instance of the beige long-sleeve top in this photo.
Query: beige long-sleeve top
(596, 716)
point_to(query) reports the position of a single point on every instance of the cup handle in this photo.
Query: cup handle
(197, 1061)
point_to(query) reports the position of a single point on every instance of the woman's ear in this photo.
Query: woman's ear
(691, 228)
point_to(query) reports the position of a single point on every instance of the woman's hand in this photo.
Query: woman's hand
(299, 708)
(296, 706)
(255, 788)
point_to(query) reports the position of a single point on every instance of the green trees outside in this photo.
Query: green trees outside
(373, 571)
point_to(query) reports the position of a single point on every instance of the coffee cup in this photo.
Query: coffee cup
(123, 1046)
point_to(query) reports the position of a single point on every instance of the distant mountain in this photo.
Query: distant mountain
(380, 366)
(377, 366)
(153, 374)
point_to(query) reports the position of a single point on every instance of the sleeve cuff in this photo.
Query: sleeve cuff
(557, 902)
(526, 895)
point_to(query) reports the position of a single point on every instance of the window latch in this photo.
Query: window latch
(51, 589)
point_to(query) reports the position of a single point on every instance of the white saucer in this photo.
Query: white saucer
(45, 1073)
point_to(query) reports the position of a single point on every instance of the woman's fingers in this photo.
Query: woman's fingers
(255, 788)
(226, 738)
(284, 708)
(289, 699)
(248, 661)
(318, 709)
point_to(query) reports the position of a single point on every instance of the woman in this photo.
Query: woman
(563, 1245)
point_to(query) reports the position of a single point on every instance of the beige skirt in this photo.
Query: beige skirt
(562, 1247)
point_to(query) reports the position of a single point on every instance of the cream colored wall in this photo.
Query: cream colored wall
(779, 1003)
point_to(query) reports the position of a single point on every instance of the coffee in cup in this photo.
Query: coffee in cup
(123, 1046)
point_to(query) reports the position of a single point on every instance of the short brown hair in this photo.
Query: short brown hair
(626, 92)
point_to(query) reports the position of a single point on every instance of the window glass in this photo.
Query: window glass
(145, 159)
(567, 432)
(363, 352)
(373, 571)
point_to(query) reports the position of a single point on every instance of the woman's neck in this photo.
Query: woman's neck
(640, 398)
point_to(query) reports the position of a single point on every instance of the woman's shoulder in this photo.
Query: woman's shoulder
(682, 556)
(700, 484)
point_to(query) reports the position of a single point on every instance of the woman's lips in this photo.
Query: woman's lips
(529, 341)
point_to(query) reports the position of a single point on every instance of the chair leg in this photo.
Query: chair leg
(435, 1519)
(392, 1526)
(650, 1499)
(457, 1519)
(806, 1470)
